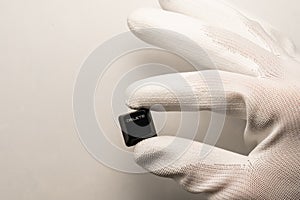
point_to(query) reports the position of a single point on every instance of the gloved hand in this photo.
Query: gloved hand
(260, 75)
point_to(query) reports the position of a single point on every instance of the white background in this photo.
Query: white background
(42, 45)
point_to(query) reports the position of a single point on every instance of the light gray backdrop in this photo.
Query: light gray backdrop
(42, 45)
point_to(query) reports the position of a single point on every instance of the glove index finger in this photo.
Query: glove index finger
(211, 90)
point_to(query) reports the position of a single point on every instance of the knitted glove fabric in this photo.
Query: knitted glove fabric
(259, 71)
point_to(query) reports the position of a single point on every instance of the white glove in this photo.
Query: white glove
(260, 76)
